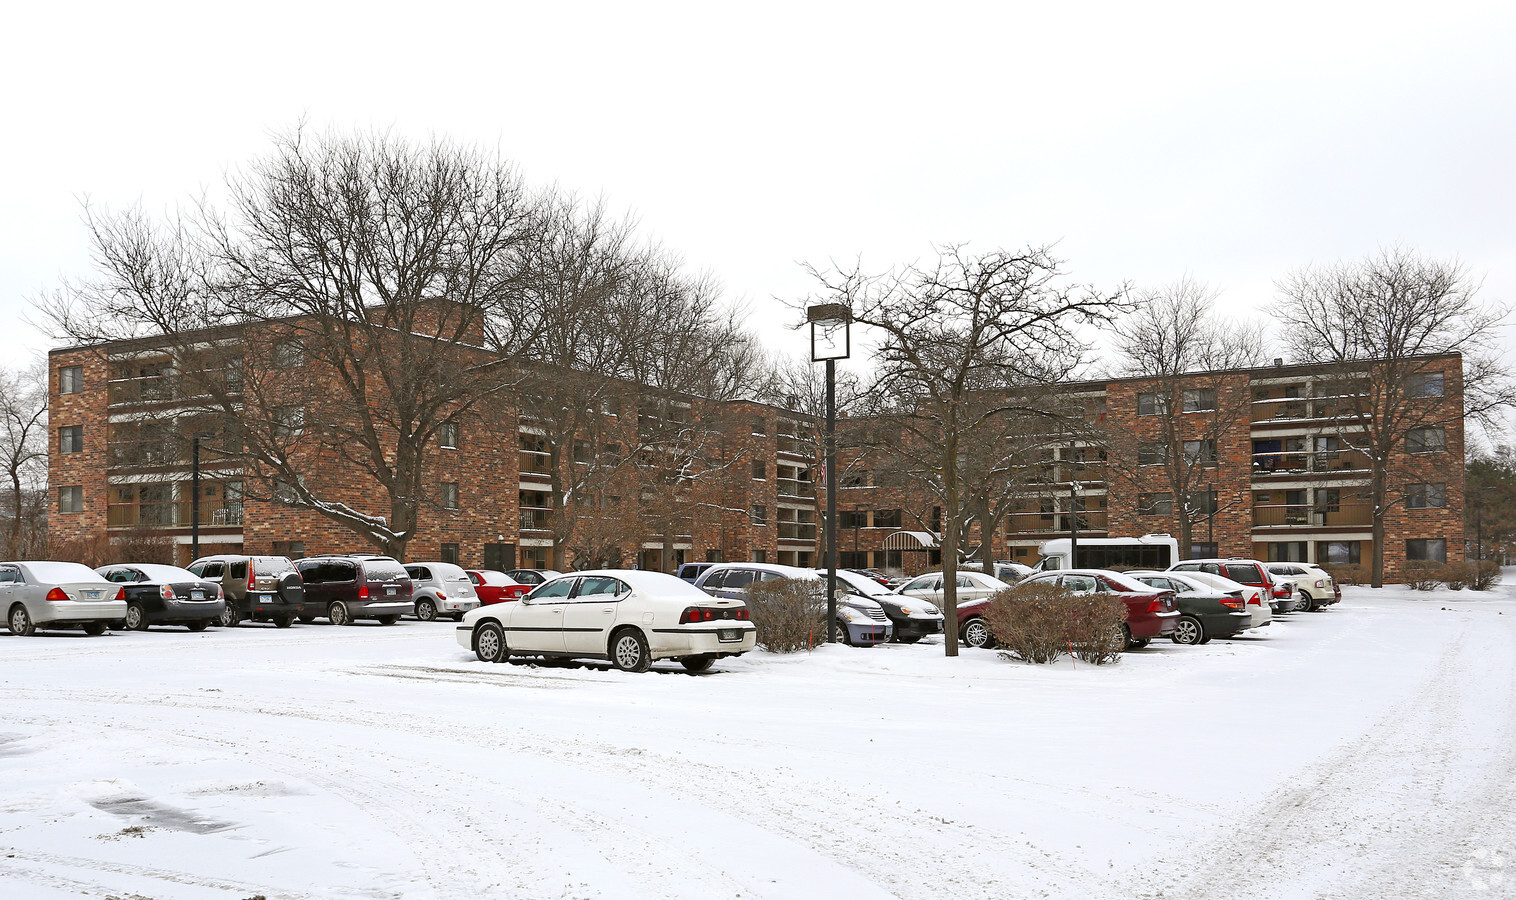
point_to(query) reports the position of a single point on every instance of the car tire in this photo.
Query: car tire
(1188, 631)
(229, 617)
(93, 629)
(388, 620)
(697, 664)
(1310, 603)
(976, 633)
(337, 613)
(136, 617)
(1303, 604)
(1124, 640)
(283, 621)
(20, 621)
(426, 610)
(843, 635)
(198, 624)
(629, 651)
(489, 643)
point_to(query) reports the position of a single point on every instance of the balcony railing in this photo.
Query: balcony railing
(1034, 522)
(796, 488)
(797, 531)
(172, 514)
(536, 518)
(170, 386)
(535, 462)
(1309, 516)
(1310, 461)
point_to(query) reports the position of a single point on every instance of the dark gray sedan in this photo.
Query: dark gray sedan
(165, 595)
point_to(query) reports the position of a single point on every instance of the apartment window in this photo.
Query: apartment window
(855, 518)
(1200, 400)
(610, 406)
(70, 379)
(71, 499)
(582, 452)
(888, 518)
(759, 427)
(1152, 454)
(289, 354)
(713, 555)
(1339, 553)
(760, 470)
(1155, 504)
(71, 439)
(447, 435)
(1204, 550)
(289, 421)
(291, 549)
(1329, 500)
(449, 553)
(758, 556)
(759, 514)
(1427, 549)
(1152, 404)
(1202, 452)
(1203, 502)
(1287, 551)
(1426, 384)
(853, 479)
(449, 495)
(1425, 440)
(1426, 496)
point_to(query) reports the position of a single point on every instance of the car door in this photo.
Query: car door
(927, 587)
(9, 576)
(590, 612)
(535, 623)
(1081, 584)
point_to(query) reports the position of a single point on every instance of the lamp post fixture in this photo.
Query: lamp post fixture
(1073, 510)
(830, 341)
(195, 494)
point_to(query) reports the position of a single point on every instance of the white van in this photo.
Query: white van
(1151, 551)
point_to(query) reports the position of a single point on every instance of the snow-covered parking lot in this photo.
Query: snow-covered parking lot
(1362, 752)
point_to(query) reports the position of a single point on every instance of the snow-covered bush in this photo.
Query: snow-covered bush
(790, 614)
(1039, 623)
(1486, 575)
(1457, 575)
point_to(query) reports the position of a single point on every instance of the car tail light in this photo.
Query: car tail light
(120, 593)
(1234, 600)
(252, 576)
(220, 594)
(742, 613)
(363, 593)
(166, 592)
(1254, 601)
(56, 595)
(1282, 591)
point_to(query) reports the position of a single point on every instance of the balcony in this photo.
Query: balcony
(1342, 515)
(796, 489)
(793, 445)
(172, 385)
(1308, 461)
(172, 514)
(536, 518)
(1053, 523)
(536, 463)
(797, 531)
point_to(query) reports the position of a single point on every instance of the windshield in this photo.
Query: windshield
(166, 574)
(272, 565)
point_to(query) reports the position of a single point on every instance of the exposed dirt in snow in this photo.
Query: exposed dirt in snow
(1365, 751)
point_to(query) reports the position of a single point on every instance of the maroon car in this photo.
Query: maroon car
(1150, 612)
(496, 587)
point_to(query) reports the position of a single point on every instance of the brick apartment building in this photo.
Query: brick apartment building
(1282, 484)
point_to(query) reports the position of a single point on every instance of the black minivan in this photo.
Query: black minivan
(342, 589)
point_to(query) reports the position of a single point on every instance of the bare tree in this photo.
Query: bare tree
(1188, 356)
(1383, 328)
(958, 340)
(333, 319)
(23, 454)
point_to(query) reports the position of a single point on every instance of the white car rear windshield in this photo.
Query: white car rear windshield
(62, 572)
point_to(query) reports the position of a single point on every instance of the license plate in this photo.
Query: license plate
(197, 595)
(729, 634)
(91, 595)
(389, 592)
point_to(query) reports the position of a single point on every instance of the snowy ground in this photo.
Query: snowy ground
(1363, 752)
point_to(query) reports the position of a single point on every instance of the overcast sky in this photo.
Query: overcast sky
(1229, 142)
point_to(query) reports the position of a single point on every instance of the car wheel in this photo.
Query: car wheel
(337, 613)
(1188, 630)
(976, 633)
(136, 617)
(20, 621)
(198, 624)
(489, 644)
(1124, 639)
(229, 617)
(388, 620)
(93, 629)
(697, 664)
(283, 621)
(1303, 604)
(843, 634)
(629, 651)
(426, 610)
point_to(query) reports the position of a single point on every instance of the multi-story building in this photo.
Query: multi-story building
(1281, 480)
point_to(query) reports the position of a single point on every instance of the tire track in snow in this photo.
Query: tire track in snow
(1402, 791)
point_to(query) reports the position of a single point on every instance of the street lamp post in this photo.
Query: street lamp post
(195, 497)
(830, 341)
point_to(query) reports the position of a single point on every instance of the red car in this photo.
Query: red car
(1150, 612)
(496, 587)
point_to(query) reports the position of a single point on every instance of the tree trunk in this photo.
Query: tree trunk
(13, 547)
(988, 527)
(1379, 490)
(950, 548)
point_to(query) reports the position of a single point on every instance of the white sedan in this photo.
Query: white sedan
(58, 595)
(629, 617)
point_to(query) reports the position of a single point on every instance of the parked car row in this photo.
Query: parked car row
(228, 589)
